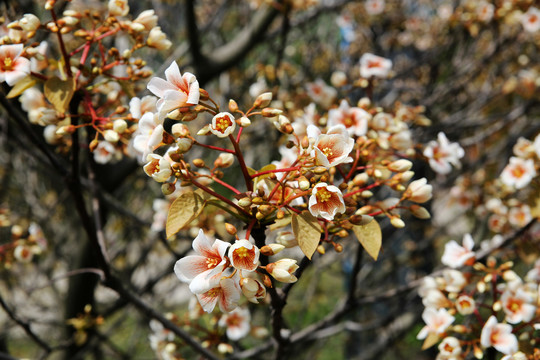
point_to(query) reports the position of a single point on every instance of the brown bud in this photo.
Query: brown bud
(199, 163)
(231, 229)
(338, 247)
(93, 144)
(233, 106)
(266, 279)
(266, 209)
(259, 215)
(203, 95)
(342, 233)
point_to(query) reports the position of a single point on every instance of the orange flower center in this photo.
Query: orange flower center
(374, 64)
(211, 262)
(348, 121)
(241, 252)
(8, 64)
(323, 195)
(518, 172)
(223, 123)
(533, 19)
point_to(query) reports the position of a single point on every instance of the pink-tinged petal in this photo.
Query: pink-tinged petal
(193, 88)
(158, 86)
(468, 242)
(313, 131)
(230, 295)
(206, 280)
(173, 75)
(171, 100)
(220, 247)
(191, 266)
(11, 51)
(202, 244)
(485, 337)
(423, 333)
(209, 299)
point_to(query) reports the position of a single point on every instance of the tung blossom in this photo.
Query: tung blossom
(157, 167)
(208, 263)
(456, 255)
(442, 154)
(518, 173)
(177, 91)
(353, 118)
(326, 201)
(419, 191)
(13, 67)
(437, 321)
(225, 292)
(332, 148)
(499, 336)
(321, 93)
(531, 20)
(518, 305)
(374, 66)
(244, 255)
(223, 124)
(237, 323)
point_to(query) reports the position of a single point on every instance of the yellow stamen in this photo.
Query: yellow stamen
(222, 123)
(323, 195)
(241, 252)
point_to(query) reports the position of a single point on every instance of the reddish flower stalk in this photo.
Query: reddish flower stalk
(65, 55)
(274, 171)
(242, 162)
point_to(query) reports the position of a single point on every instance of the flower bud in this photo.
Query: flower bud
(361, 179)
(397, 222)
(420, 212)
(244, 202)
(419, 191)
(263, 100)
(204, 131)
(233, 106)
(303, 183)
(231, 229)
(119, 126)
(244, 121)
(400, 165)
(271, 249)
(271, 112)
(168, 188)
(111, 136)
(184, 144)
(282, 270)
(199, 163)
(286, 239)
(224, 160)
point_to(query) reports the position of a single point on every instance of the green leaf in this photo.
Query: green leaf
(183, 210)
(20, 86)
(307, 231)
(370, 237)
(59, 92)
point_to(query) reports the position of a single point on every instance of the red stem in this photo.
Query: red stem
(375, 184)
(214, 147)
(274, 171)
(223, 183)
(65, 55)
(242, 162)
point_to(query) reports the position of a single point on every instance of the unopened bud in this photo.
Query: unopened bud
(263, 100)
(400, 165)
(168, 188)
(397, 222)
(321, 250)
(243, 121)
(259, 215)
(93, 144)
(180, 130)
(224, 348)
(266, 209)
(231, 229)
(271, 249)
(366, 194)
(360, 219)
(338, 247)
(320, 170)
(267, 281)
(199, 163)
(67, 129)
(257, 200)
(406, 176)
(342, 233)
(244, 202)
(303, 183)
(361, 179)
(203, 95)
(204, 131)
(233, 106)
(420, 212)
(119, 126)
(364, 210)
(224, 160)
(271, 112)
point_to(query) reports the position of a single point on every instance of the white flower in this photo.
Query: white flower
(224, 291)
(450, 347)
(158, 168)
(531, 20)
(353, 118)
(456, 255)
(442, 154)
(454, 280)
(326, 201)
(176, 92)
(518, 173)
(374, 7)
(437, 321)
(321, 93)
(158, 39)
(103, 153)
(499, 336)
(237, 323)
(208, 263)
(13, 67)
(23, 253)
(419, 191)
(118, 7)
(374, 66)
(518, 305)
(485, 11)
(223, 124)
(332, 148)
(519, 216)
(147, 18)
(465, 305)
(244, 255)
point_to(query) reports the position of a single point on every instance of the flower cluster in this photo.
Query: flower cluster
(472, 306)
(25, 243)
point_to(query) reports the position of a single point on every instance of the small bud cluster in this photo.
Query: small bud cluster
(25, 243)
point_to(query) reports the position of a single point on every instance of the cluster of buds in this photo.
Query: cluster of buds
(472, 306)
(88, 81)
(25, 243)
